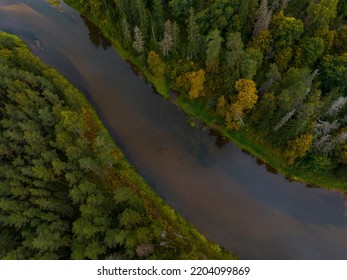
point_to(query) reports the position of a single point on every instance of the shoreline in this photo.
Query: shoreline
(244, 138)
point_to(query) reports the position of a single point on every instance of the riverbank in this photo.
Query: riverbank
(253, 143)
(246, 138)
(105, 199)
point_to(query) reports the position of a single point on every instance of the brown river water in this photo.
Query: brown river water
(222, 191)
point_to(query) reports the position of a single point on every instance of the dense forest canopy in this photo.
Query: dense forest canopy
(66, 191)
(276, 68)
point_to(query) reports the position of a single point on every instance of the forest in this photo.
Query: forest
(271, 75)
(66, 190)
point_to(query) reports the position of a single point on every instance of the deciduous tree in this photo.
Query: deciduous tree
(156, 65)
(298, 147)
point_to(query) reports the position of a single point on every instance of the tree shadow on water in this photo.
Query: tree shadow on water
(95, 35)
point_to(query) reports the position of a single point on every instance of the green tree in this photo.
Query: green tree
(309, 50)
(235, 52)
(180, 8)
(157, 14)
(126, 31)
(333, 73)
(285, 30)
(214, 43)
(340, 44)
(320, 14)
(193, 34)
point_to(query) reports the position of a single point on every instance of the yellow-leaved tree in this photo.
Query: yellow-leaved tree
(193, 82)
(247, 96)
(298, 147)
(156, 65)
(246, 100)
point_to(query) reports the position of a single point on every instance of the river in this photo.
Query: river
(222, 191)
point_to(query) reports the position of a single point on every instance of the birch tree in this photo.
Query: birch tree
(263, 18)
(138, 43)
(167, 43)
(336, 106)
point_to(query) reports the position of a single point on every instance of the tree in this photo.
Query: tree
(264, 111)
(219, 15)
(221, 106)
(180, 8)
(247, 96)
(298, 147)
(235, 52)
(251, 63)
(284, 120)
(138, 43)
(197, 80)
(340, 44)
(272, 76)
(295, 87)
(246, 99)
(285, 30)
(168, 42)
(139, 13)
(157, 13)
(126, 31)
(333, 72)
(261, 41)
(342, 149)
(309, 50)
(320, 14)
(247, 15)
(263, 18)
(192, 82)
(193, 34)
(336, 107)
(283, 58)
(156, 65)
(278, 5)
(214, 43)
(175, 35)
(328, 143)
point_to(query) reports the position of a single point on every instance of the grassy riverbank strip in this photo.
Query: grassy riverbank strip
(253, 143)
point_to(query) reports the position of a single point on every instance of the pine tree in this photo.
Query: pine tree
(126, 31)
(193, 34)
(214, 43)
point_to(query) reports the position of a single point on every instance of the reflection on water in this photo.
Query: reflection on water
(95, 35)
(220, 140)
(268, 167)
